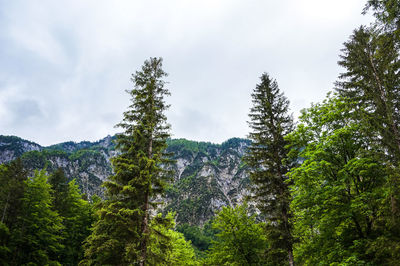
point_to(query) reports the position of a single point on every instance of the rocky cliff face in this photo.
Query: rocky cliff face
(12, 147)
(206, 176)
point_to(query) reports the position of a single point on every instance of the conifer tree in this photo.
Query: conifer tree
(387, 14)
(12, 177)
(270, 122)
(121, 236)
(370, 84)
(59, 185)
(12, 189)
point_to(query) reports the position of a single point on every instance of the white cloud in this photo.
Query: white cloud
(74, 60)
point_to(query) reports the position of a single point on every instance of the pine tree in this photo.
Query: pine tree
(59, 185)
(270, 122)
(370, 84)
(387, 14)
(12, 189)
(12, 177)
(121, 236)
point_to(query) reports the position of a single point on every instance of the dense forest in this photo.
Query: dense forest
(325, 190)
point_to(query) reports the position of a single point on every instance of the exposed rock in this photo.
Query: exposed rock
(206, 176)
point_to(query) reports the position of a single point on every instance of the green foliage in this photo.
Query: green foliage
(76, 217)
(189, 145)
(59, 185)
(12, 189)
(121, 235)
(86, 157)
(340, 191)
(79, 160)
(387, 14)
(15, 144)
(168, 247)
(41, 225)
(196, 207)
(235, 143)
(370, 82)
(37, 238)
(239, 241)
(268, 163)
(199, 237)
(41, 159)
(5, 252)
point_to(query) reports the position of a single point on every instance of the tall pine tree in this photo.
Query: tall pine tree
(121, 236)
(387, 14)
(12, 177)
(270, 122)
(12, 189)
(370, 84)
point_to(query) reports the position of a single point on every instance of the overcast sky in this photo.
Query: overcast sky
(65, 65)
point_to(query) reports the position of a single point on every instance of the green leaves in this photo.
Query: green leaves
(338, 189)
(37, 240)
(240, 241)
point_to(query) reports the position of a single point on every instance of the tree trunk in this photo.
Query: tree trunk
(5, 208)
(145, 230)
(291, 259)
(289, 240)
(145, 223)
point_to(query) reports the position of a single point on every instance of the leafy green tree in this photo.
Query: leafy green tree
(76, 216)
(340, 190)
(240, 241)
(37, 239)
(77, 220)
(121, 235)
(166, 246)
(267, 159)
(199, 237)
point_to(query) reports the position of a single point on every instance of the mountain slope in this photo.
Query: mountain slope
(206, 176)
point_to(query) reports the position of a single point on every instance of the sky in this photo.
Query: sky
(65, 66)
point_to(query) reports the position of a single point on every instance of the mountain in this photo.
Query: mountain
(207, 176)
(12, 147)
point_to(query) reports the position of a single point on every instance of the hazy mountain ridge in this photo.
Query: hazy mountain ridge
(207, 176)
